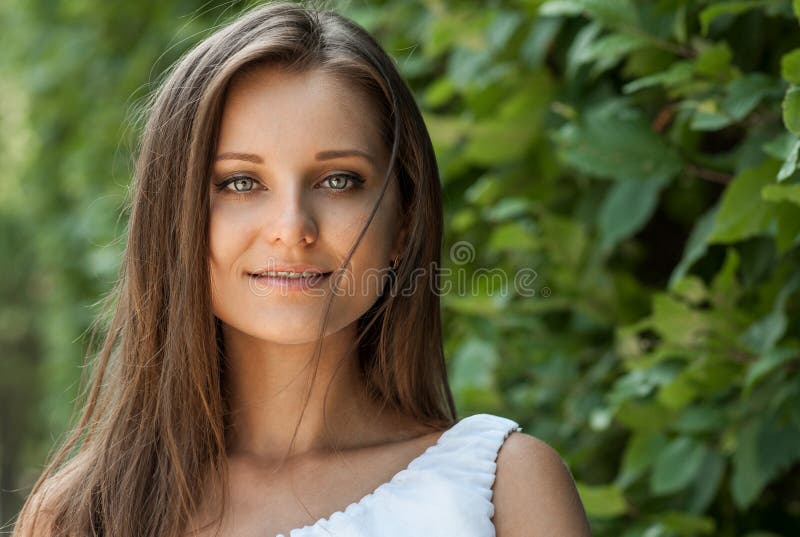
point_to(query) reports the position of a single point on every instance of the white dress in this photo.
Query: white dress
(444, 492)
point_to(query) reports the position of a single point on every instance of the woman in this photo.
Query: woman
(274, 362)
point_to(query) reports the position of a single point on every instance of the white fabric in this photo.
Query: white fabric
(444, 492)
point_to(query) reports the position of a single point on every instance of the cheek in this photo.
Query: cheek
(341, 223)
(228, 232)
(370, 262)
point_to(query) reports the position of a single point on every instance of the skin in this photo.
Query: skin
(534, 493)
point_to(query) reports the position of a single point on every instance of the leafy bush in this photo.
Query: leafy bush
(642, 158)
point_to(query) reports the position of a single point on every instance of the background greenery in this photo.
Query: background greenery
(640, 156)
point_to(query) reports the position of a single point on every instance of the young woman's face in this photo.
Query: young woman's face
(299, 166)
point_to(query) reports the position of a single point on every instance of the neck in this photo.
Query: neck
(267, 384)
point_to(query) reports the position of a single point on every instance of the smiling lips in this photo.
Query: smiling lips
(289, 271)
(289, 277)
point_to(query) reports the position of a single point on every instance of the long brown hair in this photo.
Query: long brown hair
(152, 426)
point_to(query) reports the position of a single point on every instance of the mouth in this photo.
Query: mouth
(290, 280)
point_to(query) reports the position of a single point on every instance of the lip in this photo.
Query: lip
(268, 284)
(274, 267)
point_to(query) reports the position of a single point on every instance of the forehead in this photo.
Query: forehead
(270, 108)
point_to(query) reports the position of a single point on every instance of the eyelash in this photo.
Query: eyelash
(354, 181)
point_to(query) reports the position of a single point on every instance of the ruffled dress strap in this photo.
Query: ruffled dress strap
(466, 456)
(444, 492)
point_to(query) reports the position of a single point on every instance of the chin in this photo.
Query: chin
(287, 331)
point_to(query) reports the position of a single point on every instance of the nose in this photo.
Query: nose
(292, 223)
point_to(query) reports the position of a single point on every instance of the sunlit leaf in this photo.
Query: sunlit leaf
(626, 209)
(743, 213)
(791, 110)
(790, 66)
(615, 142)
(602, 501)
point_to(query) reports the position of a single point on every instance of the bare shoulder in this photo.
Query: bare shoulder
(534, 492)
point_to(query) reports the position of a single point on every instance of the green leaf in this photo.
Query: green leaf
(687, 525)
(696, 246)
(790, 66)
(561, 8)
(725, 283)
(640, 454)
(470, 69)
(791, 110)
(677, 465)
(764, 448)
(678, 393)
(494, 141)
(607, 51)
(788, 227)
(537, 43)
(779, 443)
(474, 365)
(679, 73)
(564, 238)
(626, 209)
(763, 334)
(459, 30)
(445, 131)
(513, 237)
(767, 363)
(677, 322)
(744, 94)
(508, 208)
(502, 27)
(776, 193)
(709, 14)
(613, 13)
(781, 145)
(602, 501)
(743, 213)
(644, 416)
(701, 418)
(691, 289)
(707, 482)
(708, 117)
(616, 142)
(714, 61)
(790, 164)
(579, 46)
(439, 92)
(485, 190)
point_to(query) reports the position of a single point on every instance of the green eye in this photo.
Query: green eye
(237, 181)
(340, 182)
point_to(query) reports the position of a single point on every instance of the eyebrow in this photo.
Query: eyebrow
(322, 155)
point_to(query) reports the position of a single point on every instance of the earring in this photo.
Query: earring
(395, 263)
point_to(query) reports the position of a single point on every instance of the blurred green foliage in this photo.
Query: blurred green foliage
(636, 161)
